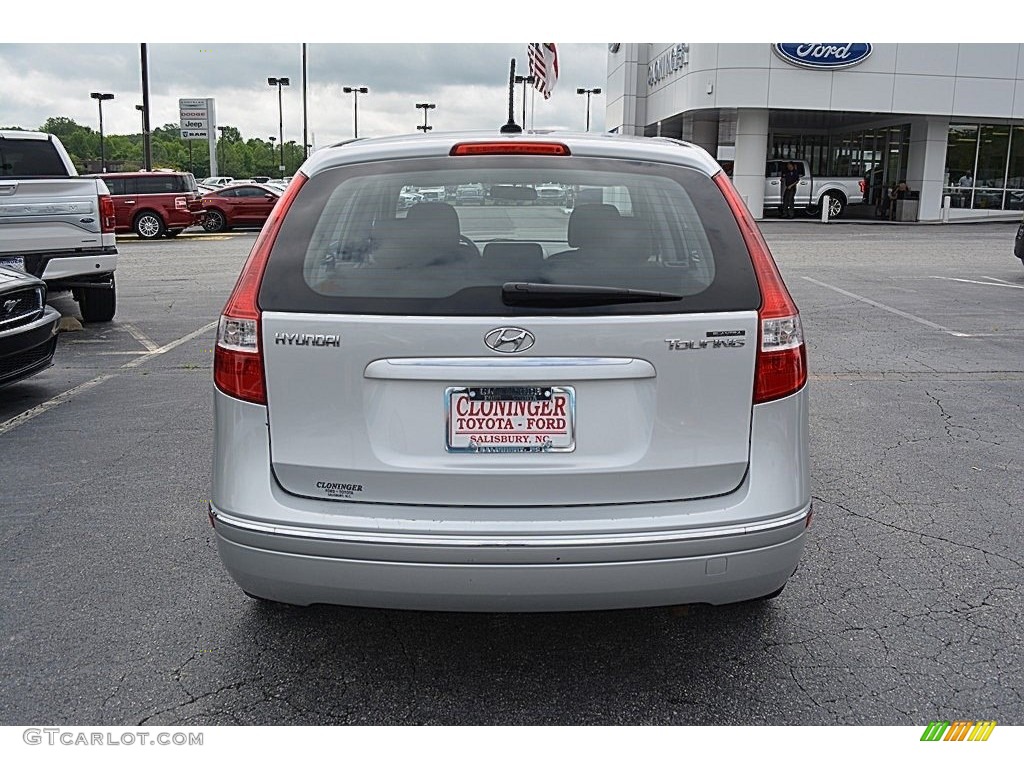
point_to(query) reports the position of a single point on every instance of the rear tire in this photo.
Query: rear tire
(214, 221)
(149, 226)
(98, 304)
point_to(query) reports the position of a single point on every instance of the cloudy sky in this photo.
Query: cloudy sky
(465, 81)
(453, 53)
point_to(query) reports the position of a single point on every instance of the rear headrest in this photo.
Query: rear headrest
(433, 224)
(592, 224)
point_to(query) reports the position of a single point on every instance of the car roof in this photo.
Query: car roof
(14, 133)
(595, 145)
(236, 184)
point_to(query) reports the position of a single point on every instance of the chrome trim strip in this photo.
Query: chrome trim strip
(510, 368)
(650, 537)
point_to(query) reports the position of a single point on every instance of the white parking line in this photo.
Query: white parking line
(988, 281)
(53, 402)
(1003, 282)
(63, 397)
(887, 308)
(168, 347)
(139, 336)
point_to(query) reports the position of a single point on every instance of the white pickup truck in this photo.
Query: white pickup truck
(811, 190)
(55, 224)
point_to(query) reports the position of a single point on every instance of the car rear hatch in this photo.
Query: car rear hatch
(545, 358)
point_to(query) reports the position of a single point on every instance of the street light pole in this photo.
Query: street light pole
(588, 91)
(142, 109)
(355, 90)
(525, 80)
(100, 98)
(221, 141)
(280, 81)
(424, 106)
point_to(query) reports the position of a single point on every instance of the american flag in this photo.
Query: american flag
(543, 67)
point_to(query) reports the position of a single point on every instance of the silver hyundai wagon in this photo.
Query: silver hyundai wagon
(511, 406)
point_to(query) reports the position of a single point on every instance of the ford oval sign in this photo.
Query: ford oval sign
(823, 55)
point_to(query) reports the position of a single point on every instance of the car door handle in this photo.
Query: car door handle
(774, 183)
(129, 202)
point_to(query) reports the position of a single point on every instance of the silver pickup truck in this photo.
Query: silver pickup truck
(811, 190)
(55, 224)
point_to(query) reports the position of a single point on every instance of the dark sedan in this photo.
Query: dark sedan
(28, 326)
(238, 205)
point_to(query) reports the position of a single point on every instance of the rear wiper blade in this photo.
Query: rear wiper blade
(559, 295)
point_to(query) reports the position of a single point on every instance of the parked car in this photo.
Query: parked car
(551, 194)
(217, 181)
(154, 204)
(239, 205)
(419, 410)
(407, 199)
(811, 190)
(1018, 243)
(469, 194)
(433, 194)
(28, 326)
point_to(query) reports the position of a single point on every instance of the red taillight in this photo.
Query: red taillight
(863, 186)
(510, 148)
(107, 219)
(238, 356)
(781, 354)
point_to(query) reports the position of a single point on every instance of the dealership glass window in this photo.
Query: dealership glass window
(961, 155)
(1015, 171)
(990, 179)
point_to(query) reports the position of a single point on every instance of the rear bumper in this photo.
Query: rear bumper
(729, 548)
(94, 267)
(567, 576)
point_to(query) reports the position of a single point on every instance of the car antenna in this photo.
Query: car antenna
(511, 126)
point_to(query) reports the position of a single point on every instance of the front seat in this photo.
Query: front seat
(432, 230)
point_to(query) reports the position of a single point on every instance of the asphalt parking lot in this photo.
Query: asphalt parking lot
(115, 608)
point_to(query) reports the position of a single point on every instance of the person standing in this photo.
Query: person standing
(965, 184)
(790, 178)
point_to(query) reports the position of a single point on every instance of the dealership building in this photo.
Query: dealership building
(946, 118)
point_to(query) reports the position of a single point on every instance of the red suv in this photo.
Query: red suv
(155, 203)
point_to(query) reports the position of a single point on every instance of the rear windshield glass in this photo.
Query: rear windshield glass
(30, 157)
(441, 237)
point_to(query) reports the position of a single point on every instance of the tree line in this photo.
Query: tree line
(236, 156)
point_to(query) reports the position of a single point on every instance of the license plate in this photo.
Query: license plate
(18, 262)
(534, 419)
